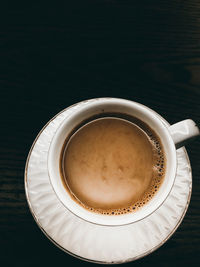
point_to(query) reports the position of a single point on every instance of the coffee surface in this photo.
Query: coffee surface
(112, 166)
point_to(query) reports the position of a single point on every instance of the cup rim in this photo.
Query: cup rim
(95, 219)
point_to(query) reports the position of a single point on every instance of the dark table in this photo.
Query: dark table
(52, 56)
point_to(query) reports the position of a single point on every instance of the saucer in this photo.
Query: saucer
(92, 242)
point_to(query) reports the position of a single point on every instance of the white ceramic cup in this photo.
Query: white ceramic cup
(171, 138)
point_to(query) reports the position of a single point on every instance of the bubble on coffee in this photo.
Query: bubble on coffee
(112, 166)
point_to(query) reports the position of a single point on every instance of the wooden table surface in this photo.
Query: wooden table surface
(52, 56)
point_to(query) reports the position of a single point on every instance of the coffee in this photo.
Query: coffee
(112, 166)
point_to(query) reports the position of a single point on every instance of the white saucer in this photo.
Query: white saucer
(96, 243)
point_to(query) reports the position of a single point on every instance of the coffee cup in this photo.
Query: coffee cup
(171, 138)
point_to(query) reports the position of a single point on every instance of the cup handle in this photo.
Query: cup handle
(183, 132)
